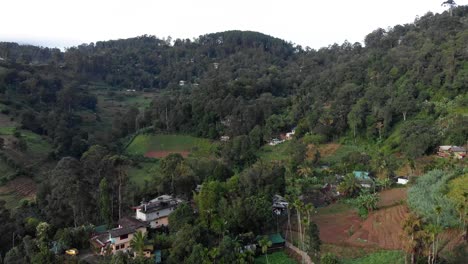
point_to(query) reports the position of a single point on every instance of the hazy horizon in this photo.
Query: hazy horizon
(316, 24)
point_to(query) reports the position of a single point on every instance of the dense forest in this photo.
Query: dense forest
(403, 92)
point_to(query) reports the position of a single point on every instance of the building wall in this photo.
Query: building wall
(154, 215)
(117, 242)
(163, 221)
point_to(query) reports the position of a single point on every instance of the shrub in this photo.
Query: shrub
(329, 258)
(429, 192)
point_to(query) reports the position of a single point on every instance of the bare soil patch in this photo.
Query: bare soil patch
(162, 154)
(24, 187)
(382, 229)
(392, 197)
(336, 228)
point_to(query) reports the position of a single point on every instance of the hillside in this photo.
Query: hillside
(89, 133)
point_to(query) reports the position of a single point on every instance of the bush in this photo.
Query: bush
(430, 192)
(314, 139)
(329, 258)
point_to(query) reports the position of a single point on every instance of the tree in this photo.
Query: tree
(411, 225)
(168, 168)
(265, 243)
(120, 163)
(314, 239)
(138, 243)
(105, 203)
(451, 4)
(349, 186)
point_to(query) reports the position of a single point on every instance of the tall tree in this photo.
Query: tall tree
(105, 203)
(120, 164)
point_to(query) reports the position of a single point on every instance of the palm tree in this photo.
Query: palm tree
(299, 207)
(432, 231)
(308, 209)
(138, 243)
(289, 206)
(438, 211)
(265, 243)
(411, 226)
(461, 209)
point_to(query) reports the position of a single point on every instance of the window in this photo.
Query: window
(123, 236)
(122, 246)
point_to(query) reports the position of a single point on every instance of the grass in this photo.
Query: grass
(37, 146)
(278, 152)
(335, 208)
(381, 257)
(144, 143)
(5, 169)
(347, 252)
(341, 152)
(275, 258)
(11, 199)
(139, 175)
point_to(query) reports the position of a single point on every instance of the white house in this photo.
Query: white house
(156, 212)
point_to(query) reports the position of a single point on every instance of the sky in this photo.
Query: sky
(313, 23)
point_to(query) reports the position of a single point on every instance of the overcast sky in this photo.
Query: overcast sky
(313, 23)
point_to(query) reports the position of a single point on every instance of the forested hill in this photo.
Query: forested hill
(409, 81)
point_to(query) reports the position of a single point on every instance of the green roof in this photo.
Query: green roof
(361, 175)
(276, 238)
(100, 229)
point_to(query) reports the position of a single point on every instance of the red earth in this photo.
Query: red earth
(162, 154)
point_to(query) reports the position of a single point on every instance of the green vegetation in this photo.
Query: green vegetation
(143, 172)
(278, 152)
(429, 193)
(5, 169)
(338, 207)
(342, 152)
(37, 146)
(381, 257)
(275, 258)
(144, 143)
(388, 102)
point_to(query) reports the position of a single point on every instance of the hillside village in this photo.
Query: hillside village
(238, 147)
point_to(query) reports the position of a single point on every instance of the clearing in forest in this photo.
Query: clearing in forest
(159, 146)
(16, 190)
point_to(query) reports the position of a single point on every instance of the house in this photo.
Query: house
(402, 180)
(216, 65)
(225, 138)
(452, 151)
(290, 135)
(181, 83)
(156, 212)
(275, 142)
(364, 179)
(280, 205)
(118, 239)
